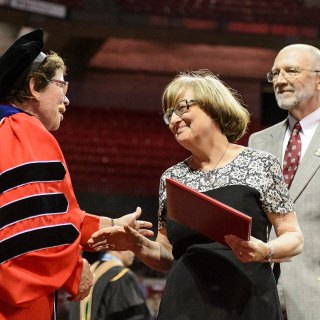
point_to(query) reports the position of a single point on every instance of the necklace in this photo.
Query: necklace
(219, 160)
(224, 152)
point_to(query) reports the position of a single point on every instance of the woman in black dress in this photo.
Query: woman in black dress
(208, 280)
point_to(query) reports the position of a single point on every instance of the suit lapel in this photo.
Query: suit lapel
(307, 167)
(275, 141)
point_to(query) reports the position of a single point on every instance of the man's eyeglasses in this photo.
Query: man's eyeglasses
(181, 108)
(62, 84)
(287, 73)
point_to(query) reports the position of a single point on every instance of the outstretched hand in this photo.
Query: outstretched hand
(116, 238)
(131, 220)
(124, 235)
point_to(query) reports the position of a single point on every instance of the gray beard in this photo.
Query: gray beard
(286, 104)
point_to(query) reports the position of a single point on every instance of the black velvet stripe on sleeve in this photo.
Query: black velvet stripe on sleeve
(31, 172)
(37, 239)
(52, 203)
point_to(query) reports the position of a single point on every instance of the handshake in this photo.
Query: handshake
(123, 234)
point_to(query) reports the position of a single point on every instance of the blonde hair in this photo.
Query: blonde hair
(215, 98)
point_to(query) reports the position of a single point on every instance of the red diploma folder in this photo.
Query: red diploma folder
(204, 214)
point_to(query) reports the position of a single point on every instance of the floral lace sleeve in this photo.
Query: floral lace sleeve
(162, 203)
(274, 192)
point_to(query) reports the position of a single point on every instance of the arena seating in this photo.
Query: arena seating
(114, 151)
(119, 151)
(279, 12)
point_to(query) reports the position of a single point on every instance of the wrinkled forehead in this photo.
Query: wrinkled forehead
(295, 57)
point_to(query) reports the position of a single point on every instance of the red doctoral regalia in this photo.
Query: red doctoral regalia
(42, 228)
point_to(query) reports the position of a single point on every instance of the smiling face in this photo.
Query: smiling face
(300, 91)
(52, 102)
(193, 125)
(211, 106)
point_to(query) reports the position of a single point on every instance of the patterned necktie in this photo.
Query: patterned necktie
(292, 155)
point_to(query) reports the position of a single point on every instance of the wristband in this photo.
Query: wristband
(270, 254)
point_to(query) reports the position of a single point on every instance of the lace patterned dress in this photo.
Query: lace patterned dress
(206, 280)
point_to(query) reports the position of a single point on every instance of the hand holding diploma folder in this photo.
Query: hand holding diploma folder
(204, 214)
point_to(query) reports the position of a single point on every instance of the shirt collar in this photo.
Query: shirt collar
(108, 257)
(308, 123)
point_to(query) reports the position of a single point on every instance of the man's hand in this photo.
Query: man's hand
(86, 282)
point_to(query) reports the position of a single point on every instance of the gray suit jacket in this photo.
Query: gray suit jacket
(300, 278)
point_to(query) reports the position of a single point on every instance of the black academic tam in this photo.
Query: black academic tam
(16, 62)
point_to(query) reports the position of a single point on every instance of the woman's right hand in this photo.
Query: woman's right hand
(119, 238)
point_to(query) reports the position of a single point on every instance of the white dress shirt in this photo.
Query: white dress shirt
(308, 124)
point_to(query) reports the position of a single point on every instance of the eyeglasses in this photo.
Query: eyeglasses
(181, 108)
(288, 73)
(62, 84)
